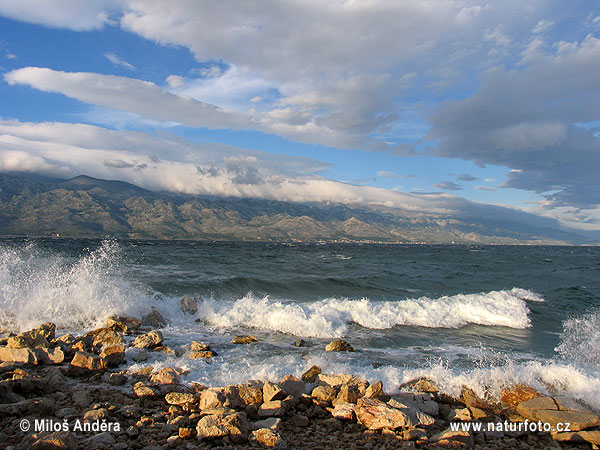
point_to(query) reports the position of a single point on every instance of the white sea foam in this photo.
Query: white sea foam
(331, 317)
(37, 287)
(580, 339)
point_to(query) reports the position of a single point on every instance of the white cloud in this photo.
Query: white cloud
(113, 58)
(543, 26)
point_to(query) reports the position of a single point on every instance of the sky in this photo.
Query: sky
(442, 106)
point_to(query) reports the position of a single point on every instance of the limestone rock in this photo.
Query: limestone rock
(268, 437)
(124, 324)
(50, 355)
(18, 355)
(17, 342)
(292, 386)
(84, 363)
(325, 393)
(462, 414)
(415, 416)
(154, 319)
(454, 438)
(347, 394)
(546, 409)
(375, 390)
(271, 422)
(148, 340)
(272, 408)
(339, 345)
(591, 437)
(143, 390)
(47, 330)
(167, 375)
(188, 305)
(272, 392)
(57, 440)
(336, 380)
(94, 415)
(376, 415)
(250, 395)
(214, 426)
(212, 398)
(244, 339)
(421, 385)
(103, 337)
(311, 374)
(32, 406)
(422, 401)
(202, 354)
(179, 398)
(344, 411)
(117, 379)
(113, 355)
(518, 393)
(199, 347)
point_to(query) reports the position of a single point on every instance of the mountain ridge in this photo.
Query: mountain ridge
(90, 207)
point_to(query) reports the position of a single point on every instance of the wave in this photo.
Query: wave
(580, 339)
(74, 293)
(331, 317)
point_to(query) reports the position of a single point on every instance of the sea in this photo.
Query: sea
(463, 315)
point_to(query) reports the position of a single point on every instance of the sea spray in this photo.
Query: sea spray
(75, 293)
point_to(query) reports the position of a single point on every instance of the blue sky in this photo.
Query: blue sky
(415, 105)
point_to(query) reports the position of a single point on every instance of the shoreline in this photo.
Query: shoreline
(75, 393)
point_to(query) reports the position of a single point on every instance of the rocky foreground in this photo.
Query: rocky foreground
(72, 390)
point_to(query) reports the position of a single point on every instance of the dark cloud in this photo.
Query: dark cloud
(467, 177)
(448, 186)
(117, 163)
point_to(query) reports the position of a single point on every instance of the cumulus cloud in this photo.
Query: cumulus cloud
(527, 117)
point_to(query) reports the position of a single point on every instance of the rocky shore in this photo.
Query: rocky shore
(72, 393)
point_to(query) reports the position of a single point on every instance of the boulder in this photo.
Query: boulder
(103, 337)
(196, 346)
(188, 305)
(311, 374)
(415, 416)
(18, 355)
(250, 395)
(17, 342)
(324, 393)
(215, 426)
(591, 437)
(124, 324)
(38, 406)
(244, 339)
(50, 355)
(272, 392)
(148, 340)
(422, 401)
(86, 363)
(113, 355)
(179, 398)
(47, 330)
(347, 394)
(56, 440)
(421, 385)
(300, 343)
(203, 354)
(518, 393)
(154, 319)
(271, 422)
(339, 345)
(143, 390)
(271, 409)
(212, 398)
(454, 438)
(375, 415)
(375, 390)
(339, 379)
(94, 415)
(292, 386)
(268, 437)
(344, 411)
(167, 375)
(548, 410)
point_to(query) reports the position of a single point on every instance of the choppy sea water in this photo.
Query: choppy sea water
(483, 316)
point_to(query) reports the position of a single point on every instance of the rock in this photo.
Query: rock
(148, 340)
(212, 398)
(203, 354)
(124, 324)
(272, 423)
(518, 393)
(143, 390)
(462, 414)
(250, 395)
(57, 440)
(188, 305)
(81, 398)
(17, 342)
(47, 330)
(37, 337)
(300, 343)
(214, 426)
(344, 411)
(325, 393)
(50, 355)
(18, 355)
(117, 379)
(94, 415)
(272, 392)
(454, 438)
(199, 346)
(292, 386)
(300, 420)
(154, 319)
(591, 437)
(86, 363)
(179, 398)
(272, 408)
(421, 385)
(347, 394)
(311, 374)
(268, 437)
(469, 398)
(546, 409)
(420, 401)
(376, 415)
(185, 433)
(375, 390)
(100, 440)
(103, 337)
(113, 355)
(167, 375)
(38, 406)
(244, 339)
(415, 416)
(339, 379)
(339, 345)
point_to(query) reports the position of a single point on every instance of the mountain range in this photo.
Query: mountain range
(32, 205)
